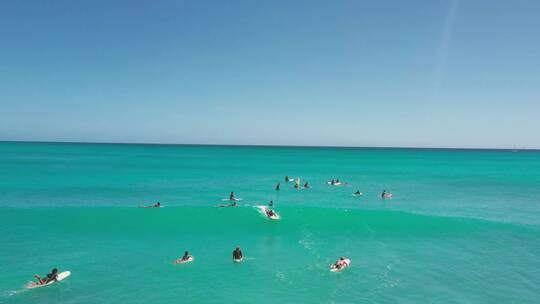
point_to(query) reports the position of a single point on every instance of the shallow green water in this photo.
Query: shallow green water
(463, 226)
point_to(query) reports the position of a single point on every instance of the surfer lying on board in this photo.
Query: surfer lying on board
(358, 192)
(48, 278)
(156, 205)
(237, 254)
(340, 263)
(270, 212)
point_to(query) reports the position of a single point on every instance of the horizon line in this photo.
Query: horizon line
(266, 145)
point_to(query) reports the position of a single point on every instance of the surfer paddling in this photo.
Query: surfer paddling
(156, 205)
(340, 264)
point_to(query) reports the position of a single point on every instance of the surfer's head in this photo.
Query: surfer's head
(55, 270)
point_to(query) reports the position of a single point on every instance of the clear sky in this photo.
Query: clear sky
(427, 73)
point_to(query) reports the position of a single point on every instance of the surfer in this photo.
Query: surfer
(231, 197)
(358, 192)
(156, 205)
(306, 185)
(333, 182)
(186, 256)
(337, 181)
(287, 179)
(340, 263)
(271, 203)
(237, 254)
(48, 278)
(270, 213)
(277, 187)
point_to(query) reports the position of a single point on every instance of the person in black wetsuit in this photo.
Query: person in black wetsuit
(271, 203)
(237, 254)
(277, 187)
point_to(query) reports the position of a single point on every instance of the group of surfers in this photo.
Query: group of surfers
(238, 256)
(233, 199)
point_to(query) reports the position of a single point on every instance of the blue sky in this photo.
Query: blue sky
(428, 73)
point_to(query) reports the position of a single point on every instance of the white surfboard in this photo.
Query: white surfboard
(238, 260)
(59, 278)
(234, 199)
(333, 267)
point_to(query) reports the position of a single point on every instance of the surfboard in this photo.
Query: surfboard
(59, 278)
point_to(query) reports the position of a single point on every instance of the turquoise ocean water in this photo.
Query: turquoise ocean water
(463, 225)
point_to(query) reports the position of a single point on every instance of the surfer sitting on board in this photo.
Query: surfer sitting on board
(306, 185)
(237, 254)
(186, 256)
(287, 179)
(277, 187)
(48, 278)
(231, 196)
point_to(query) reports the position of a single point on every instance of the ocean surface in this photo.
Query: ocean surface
(463, 226)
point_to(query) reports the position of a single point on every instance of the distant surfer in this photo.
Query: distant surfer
(306, 185)
(231, 197)
(270, 213)
(332, 182)
(237, 254)
(385, 194)
(53, 276)
(287, 179)
(340, 263)
(186, 258)
(271, 203)
(156, 205)
(357, 192)
(277, 187)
